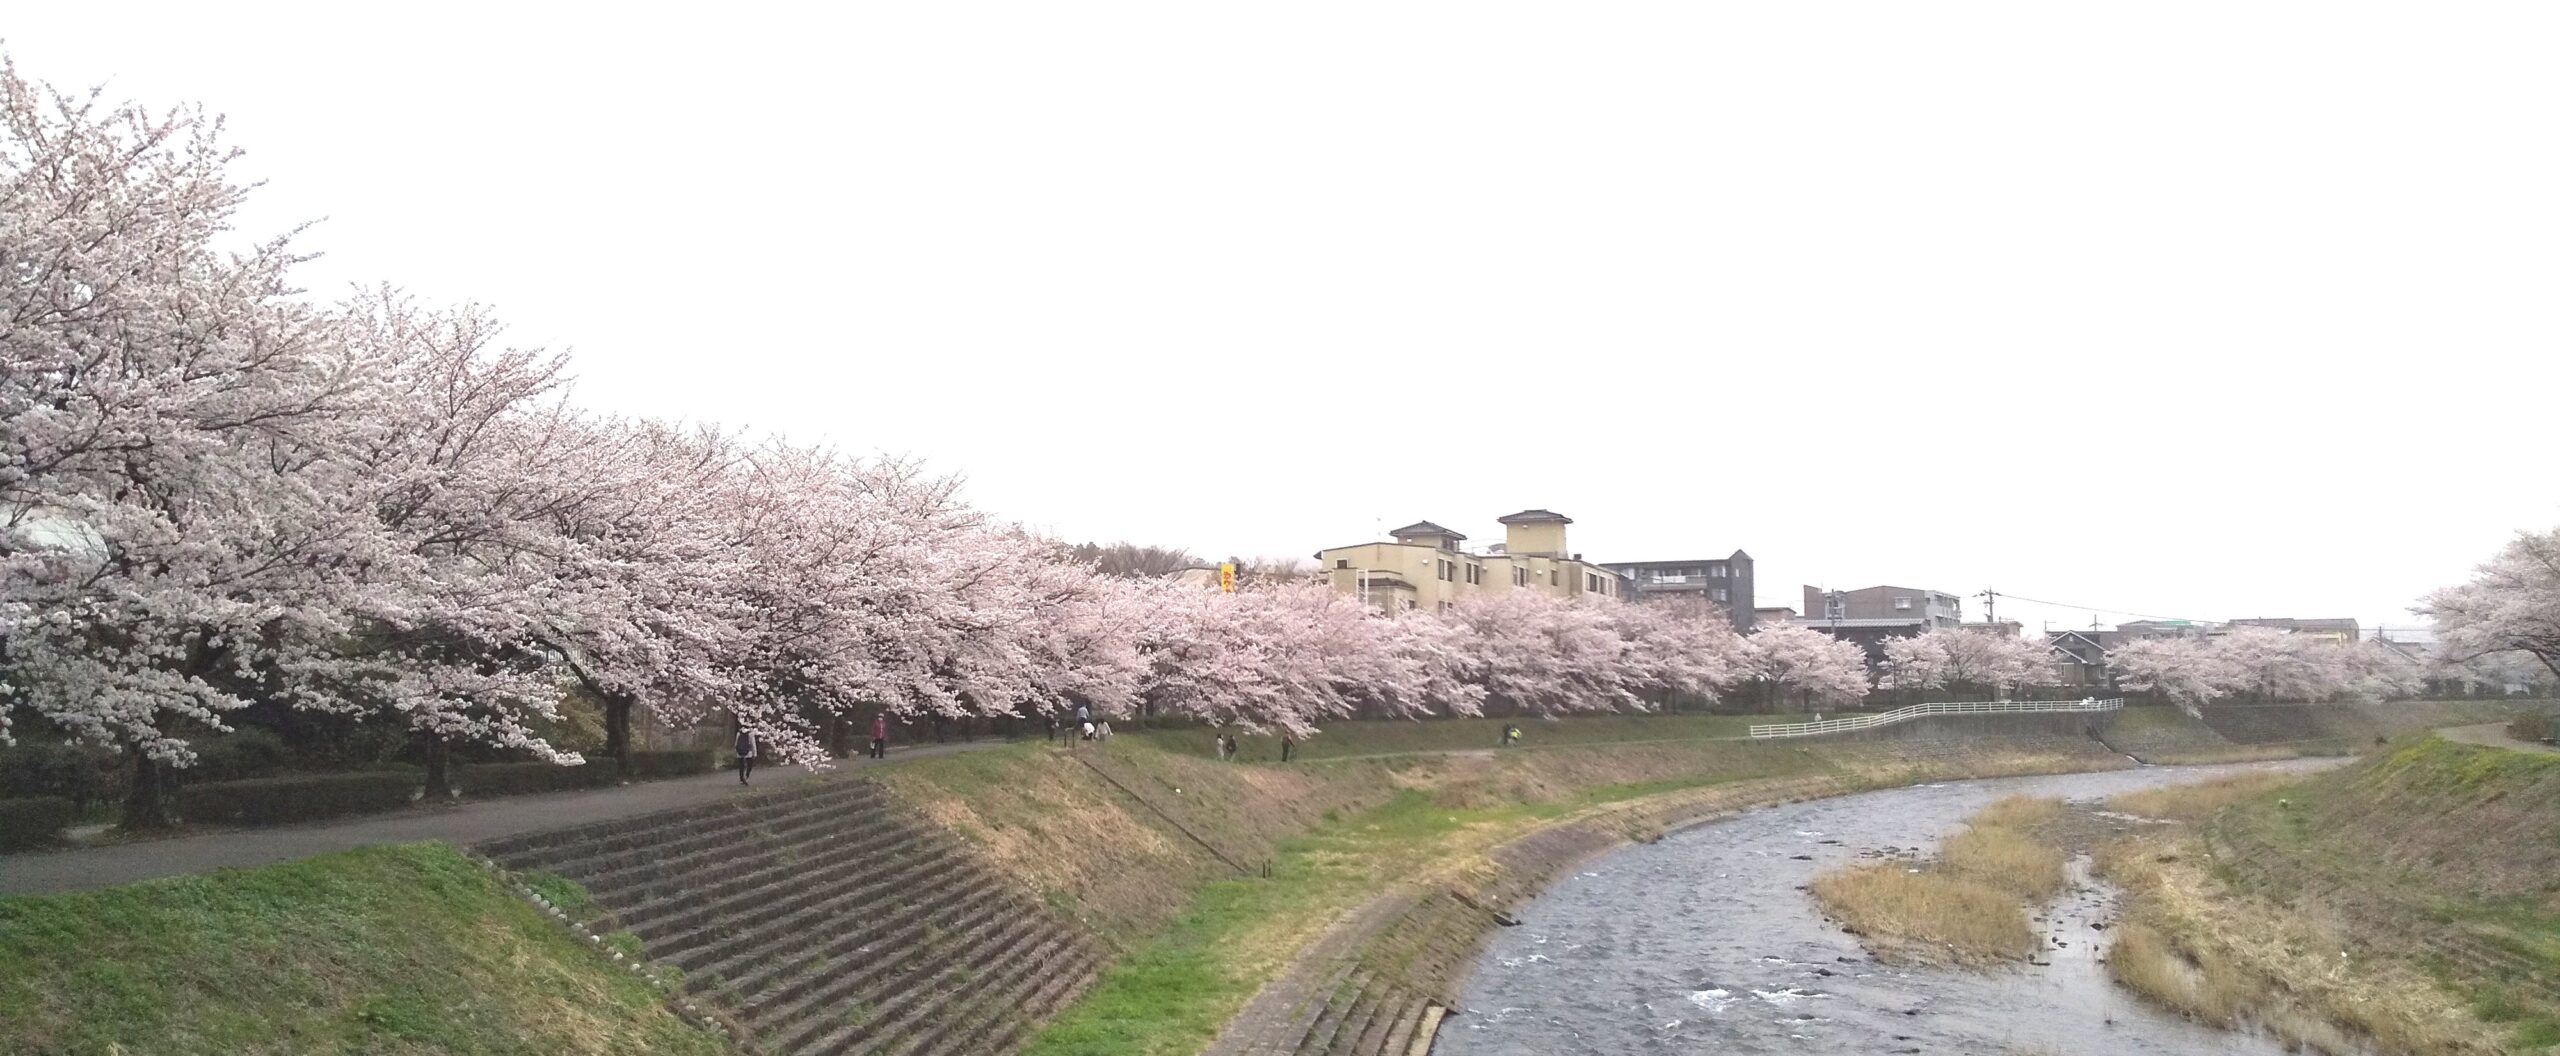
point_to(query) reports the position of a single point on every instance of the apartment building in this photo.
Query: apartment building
(1871, 616)
(1725, 582)
(1427, 566)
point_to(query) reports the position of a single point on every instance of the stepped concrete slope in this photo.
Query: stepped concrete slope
(821, 920)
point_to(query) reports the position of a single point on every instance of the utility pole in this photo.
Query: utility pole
(1990, 605)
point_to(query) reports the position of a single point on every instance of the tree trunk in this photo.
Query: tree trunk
(617, 732)
(145, 803)
(439, 767)
(835, 735)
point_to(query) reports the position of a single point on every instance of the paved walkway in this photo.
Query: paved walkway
(2493, 734)
(43, 872)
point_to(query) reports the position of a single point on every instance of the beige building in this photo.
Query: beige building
(1425, 567)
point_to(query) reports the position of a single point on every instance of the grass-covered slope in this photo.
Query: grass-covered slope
(388, 950)
(2409, 903)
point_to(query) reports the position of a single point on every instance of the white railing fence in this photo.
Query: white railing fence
(1917, 711)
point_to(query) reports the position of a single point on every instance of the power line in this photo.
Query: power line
(2092, 608)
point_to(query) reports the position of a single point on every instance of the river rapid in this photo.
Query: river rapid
(1705, 943)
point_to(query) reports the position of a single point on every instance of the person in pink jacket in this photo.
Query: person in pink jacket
(880, 736)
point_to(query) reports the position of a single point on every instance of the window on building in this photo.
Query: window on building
(1409, 603)
(1444, 571)
(1519, 577)
(1902, 604)
(1721, 594)
(1719, 571)
(1342, 563)
(1555, 578)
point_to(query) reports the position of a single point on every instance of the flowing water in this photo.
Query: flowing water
(1705, 943)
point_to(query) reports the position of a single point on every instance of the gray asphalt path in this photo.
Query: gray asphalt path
(2494, 735)
(44, 872)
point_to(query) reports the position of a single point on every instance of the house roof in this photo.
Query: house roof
(1535, 517)
(1424, 528)
(2299, 625)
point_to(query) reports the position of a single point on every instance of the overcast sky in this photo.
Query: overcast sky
(2183, 309)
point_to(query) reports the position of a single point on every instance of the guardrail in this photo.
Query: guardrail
(1919, 711)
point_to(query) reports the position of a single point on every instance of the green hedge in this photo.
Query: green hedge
(275, 800)
(2534, 727)
(509, 779)
(677, 763)
(33, 822)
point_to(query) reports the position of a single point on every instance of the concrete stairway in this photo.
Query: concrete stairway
(823, 921)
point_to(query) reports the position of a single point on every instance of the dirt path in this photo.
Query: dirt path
(45, 872)
(2494, 735)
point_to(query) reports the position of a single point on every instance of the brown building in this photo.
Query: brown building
(1724, 582)
(1871, 616)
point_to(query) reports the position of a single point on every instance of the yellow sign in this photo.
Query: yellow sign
(1227, 576)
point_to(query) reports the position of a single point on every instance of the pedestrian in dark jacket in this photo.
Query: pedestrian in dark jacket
(880, 736)
(746, 754)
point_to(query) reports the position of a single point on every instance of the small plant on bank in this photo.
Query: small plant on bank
(562, 892)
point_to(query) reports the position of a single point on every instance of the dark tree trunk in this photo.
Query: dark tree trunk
(836, 734)
(146, 801)
(439, 752)
(617, 732)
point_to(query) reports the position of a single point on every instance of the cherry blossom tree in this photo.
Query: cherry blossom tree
(2187, 672)
(1802, 664)
(2510, 607)
(1963, 659)
(180, 525)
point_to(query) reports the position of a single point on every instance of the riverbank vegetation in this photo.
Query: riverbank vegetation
(1969, 904)
(406, 949)
(2406, 904)
(1164, 854)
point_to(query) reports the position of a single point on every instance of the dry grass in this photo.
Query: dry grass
(2018, 812)
(2198, 801)
(2194, 946)
(1968, 906)
(1914, 915)
(2006, 860)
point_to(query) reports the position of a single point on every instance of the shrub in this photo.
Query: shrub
(672, 763)
(244, 753)
(32, 822)
(509, 779)
(300, 797)
(83, 774)
(2533, 727)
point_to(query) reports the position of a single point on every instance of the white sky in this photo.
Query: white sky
(2188, 309)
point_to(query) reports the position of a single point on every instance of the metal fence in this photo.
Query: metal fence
(1919, 711)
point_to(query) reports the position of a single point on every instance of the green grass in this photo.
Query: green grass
(1172, 994)
(1348, 739)
(392, 950)
(562, 892)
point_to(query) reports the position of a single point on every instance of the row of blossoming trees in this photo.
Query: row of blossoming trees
(216, 491)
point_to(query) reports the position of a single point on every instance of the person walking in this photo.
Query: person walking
(1084, 721)
(880, 736)
(746, 753)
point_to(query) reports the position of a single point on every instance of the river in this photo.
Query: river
(1704, 943)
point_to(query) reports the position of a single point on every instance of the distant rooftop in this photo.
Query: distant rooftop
(1424, 528)
(1535, 517)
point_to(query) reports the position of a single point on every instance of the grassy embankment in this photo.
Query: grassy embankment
(1968, 904)
(2410, 902)
(1366, 811)
(389, 950)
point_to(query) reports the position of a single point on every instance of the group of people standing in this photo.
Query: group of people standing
(749, 746)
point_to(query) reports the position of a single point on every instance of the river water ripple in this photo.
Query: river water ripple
(1703, 943)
